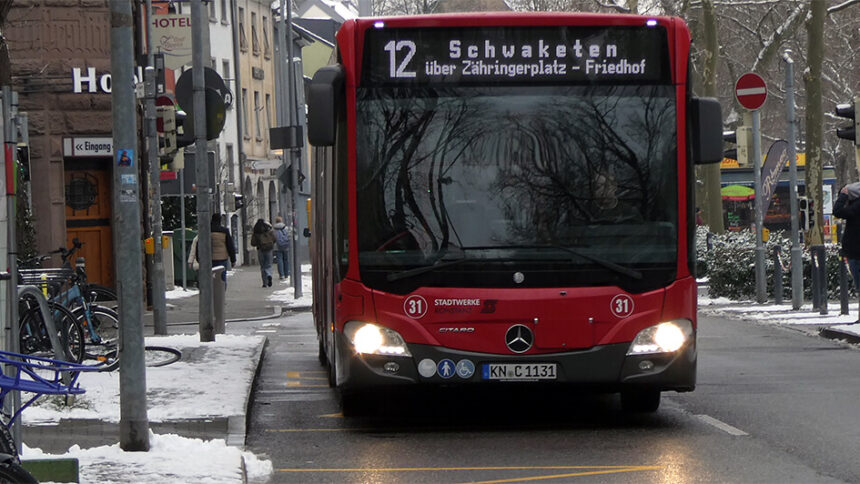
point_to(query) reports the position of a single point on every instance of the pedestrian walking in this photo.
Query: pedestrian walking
(263, 239)
(282, 247)
(223, 249)
(847, 207)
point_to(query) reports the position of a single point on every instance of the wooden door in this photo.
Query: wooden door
(88, 215)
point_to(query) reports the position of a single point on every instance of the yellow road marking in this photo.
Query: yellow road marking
(574, 474)
(333, 415)
(600, 469)
(584, 471)
(300, 384)
(298, 374)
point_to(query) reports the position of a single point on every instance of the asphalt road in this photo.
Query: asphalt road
(772, 405)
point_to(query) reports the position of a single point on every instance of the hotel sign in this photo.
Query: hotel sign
(171, 36)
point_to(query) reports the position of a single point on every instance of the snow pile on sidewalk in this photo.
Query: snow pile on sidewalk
(770, 313)
(171, 458)
(285, 294)
(211, 380)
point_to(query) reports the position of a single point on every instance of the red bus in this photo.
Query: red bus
(508, 197)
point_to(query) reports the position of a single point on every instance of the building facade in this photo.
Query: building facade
(60, 56)
(60, 59)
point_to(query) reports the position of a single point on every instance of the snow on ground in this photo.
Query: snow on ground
(211, 380)
(286, 296)
(179, 293)
(171, 458)
(770, 313)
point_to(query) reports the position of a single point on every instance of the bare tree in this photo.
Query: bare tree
(5, 62)
(814, 115)
(404, 7)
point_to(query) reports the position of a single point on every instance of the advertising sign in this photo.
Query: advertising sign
(777, 158)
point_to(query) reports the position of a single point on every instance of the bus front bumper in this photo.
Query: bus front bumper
(604, 367)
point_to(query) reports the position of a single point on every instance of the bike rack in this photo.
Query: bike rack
(46, 317)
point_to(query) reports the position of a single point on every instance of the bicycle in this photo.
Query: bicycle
(70, 288)
(37, 375)
(153, 356)
(92, 292)
(33, 331)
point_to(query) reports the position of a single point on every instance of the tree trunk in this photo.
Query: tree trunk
(709, 191)
(5, 62)
(815, 117)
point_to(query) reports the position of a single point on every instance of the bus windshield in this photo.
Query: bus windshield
(516, 174)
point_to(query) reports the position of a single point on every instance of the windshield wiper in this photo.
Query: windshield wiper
(597, 260)
(438, 263)
(423, 269)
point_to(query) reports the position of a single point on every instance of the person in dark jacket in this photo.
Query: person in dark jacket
(263, 239)
(282, 247)
(847, 207)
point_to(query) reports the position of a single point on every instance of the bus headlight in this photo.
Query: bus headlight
(369, 338)
(665, 337)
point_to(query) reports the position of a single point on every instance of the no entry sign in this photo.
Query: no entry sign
(751, 91)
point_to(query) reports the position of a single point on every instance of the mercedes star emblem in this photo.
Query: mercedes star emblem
(519, 338)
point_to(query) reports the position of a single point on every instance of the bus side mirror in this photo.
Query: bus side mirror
(706, 130)
(324, 95)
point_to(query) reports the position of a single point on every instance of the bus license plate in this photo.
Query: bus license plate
(519, 371)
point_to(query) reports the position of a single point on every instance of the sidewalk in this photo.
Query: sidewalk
(832, 325)
(197, 408)
(245, 300)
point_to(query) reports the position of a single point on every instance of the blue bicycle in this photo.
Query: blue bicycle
(39, 376)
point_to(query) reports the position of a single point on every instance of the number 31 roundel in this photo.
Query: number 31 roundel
(621, 306)
(415, 307)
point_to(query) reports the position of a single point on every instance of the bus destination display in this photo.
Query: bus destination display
(480, 55)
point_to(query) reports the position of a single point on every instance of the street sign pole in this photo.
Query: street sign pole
(796, 254)
(204, 239)
(133, 422)
(156, 275)
(295, 159)
(751, 93)
(760, 277)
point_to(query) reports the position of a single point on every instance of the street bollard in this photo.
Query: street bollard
(843, 286)
(816, 304)
(819, 278)
(219, 291)
(777, 275)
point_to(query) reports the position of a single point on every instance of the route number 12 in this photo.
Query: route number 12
(408, 49)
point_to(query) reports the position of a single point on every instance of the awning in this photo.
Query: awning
(737, 193)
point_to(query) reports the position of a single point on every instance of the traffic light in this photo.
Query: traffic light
(849, 132)
(742, 138)
(807, 214)
(166, 127)
(239, 201)
(285, 175)
(730, 137)
(184, 136)
(23, 153)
